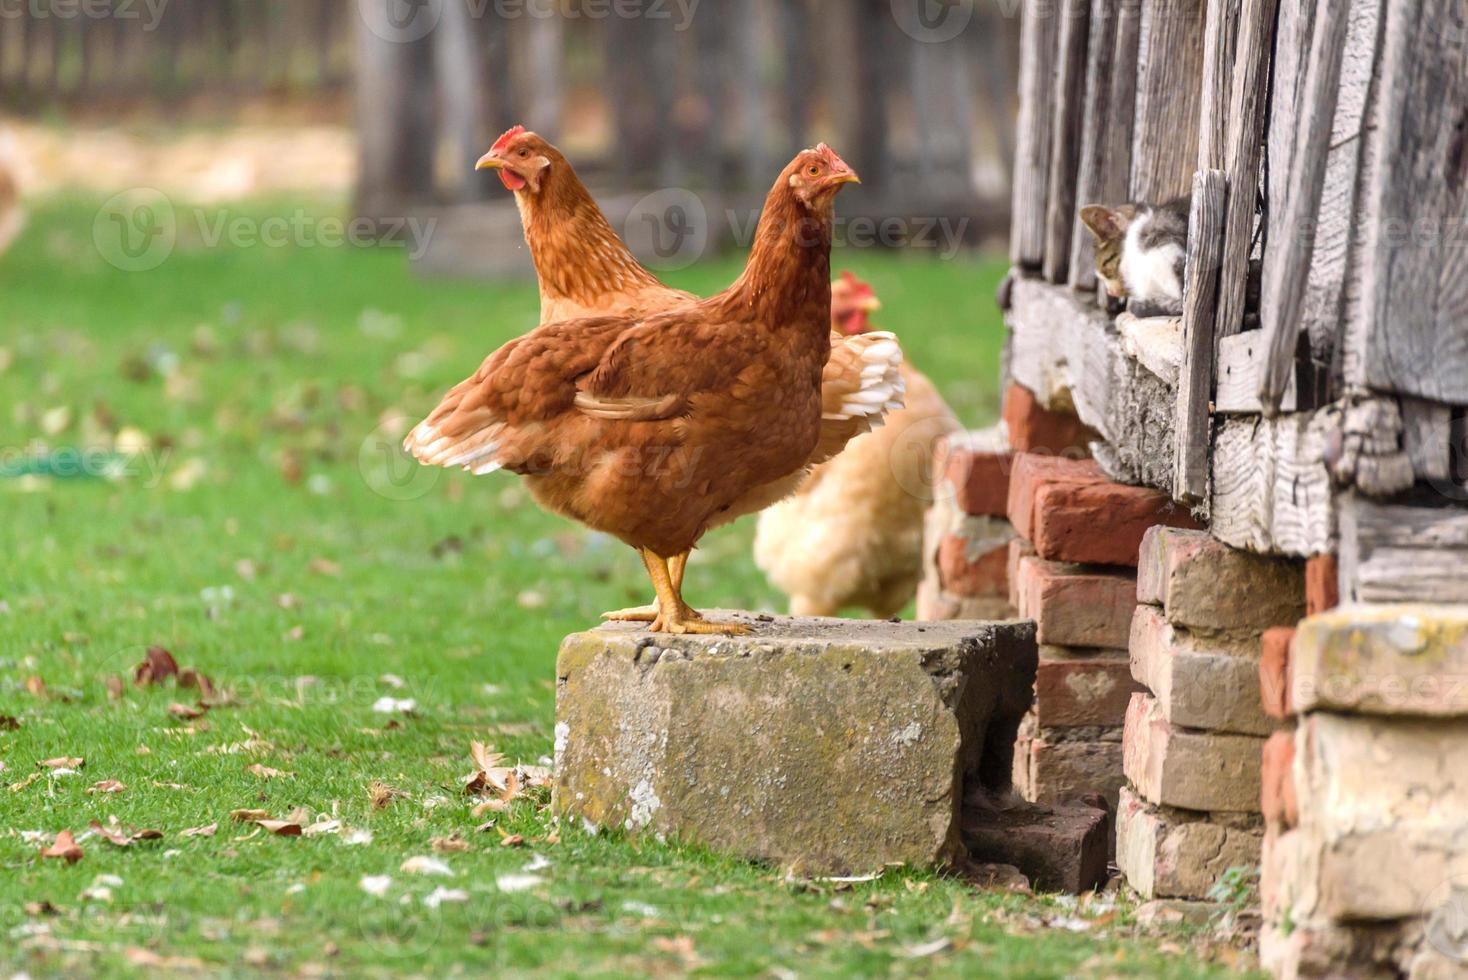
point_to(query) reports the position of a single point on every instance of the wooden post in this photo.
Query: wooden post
(1091, 173)
(1195, 376)
(1038, 30)
(1065, 137)
(1244, 151)
(1307, 175)
(1221, 35)
(1415, 272)
(1169, 73)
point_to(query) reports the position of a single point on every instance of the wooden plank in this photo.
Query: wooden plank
(1244, 152)
(1307, 172)
(1220, 38)
(1091, 174)
(1415, 281)
(1195, 376)
(1063, 349)
(1338, 220)
(1427, 436)
(1169, 74)
(1403, 552)
(1241, 361)
(1271, 492)
(1065, 138)
(1038, 37)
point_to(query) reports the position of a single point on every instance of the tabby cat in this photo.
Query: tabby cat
(1140, 251)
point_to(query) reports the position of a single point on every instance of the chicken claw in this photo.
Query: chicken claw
(649, 614)
(683, 619)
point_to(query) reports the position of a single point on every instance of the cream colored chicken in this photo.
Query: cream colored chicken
(852, 537)
(12, 216)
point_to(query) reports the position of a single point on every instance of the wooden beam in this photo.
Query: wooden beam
(1169, 74)
(1415, 277)
(1065, 137)
(1038, 36)
(1220, 35)
(1244, 151)
(1195, 376)
(1307, 174)
(1271, 491)
(1427, 436)
(1403, 552)
(1095, 184)
(1240, 365)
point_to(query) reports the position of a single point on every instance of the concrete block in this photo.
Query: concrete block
(1402, 660)
(1203, 583)
(1189, 769)
(834, 746)
(1168, 853)
(1209, 682)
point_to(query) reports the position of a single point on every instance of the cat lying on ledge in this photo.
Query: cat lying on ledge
(1140, 253)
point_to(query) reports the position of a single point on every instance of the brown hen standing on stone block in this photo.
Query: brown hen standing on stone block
(652, 428)
(586, 270)
(853, 535)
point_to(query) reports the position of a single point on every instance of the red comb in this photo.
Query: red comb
(832, 158)
(504, 140)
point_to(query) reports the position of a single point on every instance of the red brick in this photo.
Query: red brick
(1032, 473)
(1076, 691)
(971, 568)
(1099, 523)
(1322, 584)
(1074, 607)
(1019, 550)
(1054, 772)
(1274, 672)
(1035, 428)
(1203, 583)
(979, 480)
(1277, 795)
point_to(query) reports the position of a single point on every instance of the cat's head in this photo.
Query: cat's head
(1109, 225)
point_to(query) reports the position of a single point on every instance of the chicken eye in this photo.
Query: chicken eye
(524, 153)
(814, 171)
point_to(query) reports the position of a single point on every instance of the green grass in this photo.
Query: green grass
(266, 539)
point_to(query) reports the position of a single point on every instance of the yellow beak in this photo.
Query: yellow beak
(846, 178)
(489, 162)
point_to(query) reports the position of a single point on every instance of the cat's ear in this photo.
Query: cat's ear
(1105, 223)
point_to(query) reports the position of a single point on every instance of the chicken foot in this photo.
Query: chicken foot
(647, 614)
(675, 615)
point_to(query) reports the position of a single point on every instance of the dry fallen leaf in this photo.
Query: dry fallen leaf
(449, 845)
(63, 762)
(208, 830)
(107, 786)
(157, 665)
(265, 772)
(189, 677)
(116, 687)
(249, 816)
(65, 848)
(147, 958)
(9, 723)
(25, 783)
(37, 909)
(115, 834)
(424, 865)
(325, 566)
(35, 686)
(186, 712)
(280, 828)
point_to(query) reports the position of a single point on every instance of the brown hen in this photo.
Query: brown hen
(651, 428)
(585, 269)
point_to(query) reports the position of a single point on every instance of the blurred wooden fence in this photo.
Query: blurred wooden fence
(59, 53)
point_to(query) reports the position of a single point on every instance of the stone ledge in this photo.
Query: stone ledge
(833, 746)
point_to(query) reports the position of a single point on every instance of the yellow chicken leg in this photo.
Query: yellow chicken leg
(676, 615)
(647, 614)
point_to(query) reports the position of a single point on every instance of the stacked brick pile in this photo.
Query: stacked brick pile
(968, 533)
(1365, 870)
(1195, 738)
(1075, 574)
